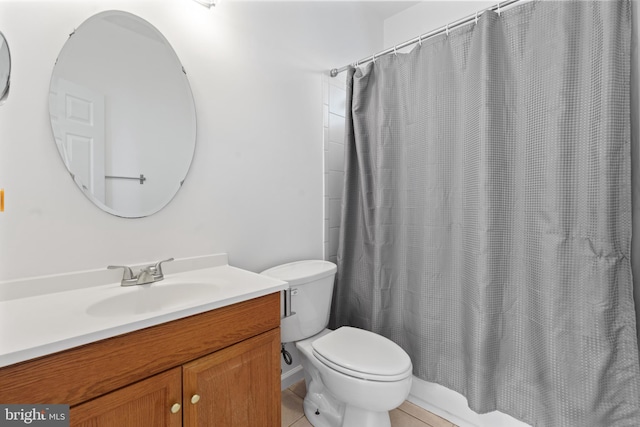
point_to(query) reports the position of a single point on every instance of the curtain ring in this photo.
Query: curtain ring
(476, 17)
(499, 9)
(447, 30)
(420, 40)
(374, 58)
(395, 52)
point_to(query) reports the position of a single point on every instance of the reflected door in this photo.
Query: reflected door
(79, 131)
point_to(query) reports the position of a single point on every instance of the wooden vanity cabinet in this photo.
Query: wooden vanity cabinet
(219, 368)
(146, 403)
(228, 388)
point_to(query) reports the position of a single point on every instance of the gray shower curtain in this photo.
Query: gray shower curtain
(486, 218)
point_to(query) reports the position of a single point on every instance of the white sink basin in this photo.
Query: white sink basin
(154, 297)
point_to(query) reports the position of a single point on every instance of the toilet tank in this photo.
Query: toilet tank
(311, 285)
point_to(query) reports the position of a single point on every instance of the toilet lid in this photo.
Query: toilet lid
(363, 354)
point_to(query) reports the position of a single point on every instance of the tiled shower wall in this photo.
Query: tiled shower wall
(334, 96)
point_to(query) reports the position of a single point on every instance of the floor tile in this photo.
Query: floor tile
(302, 422)
(291, 408)
(299, 389)
(402, 419)
(424, 415)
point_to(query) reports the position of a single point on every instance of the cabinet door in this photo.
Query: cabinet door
(237, 386)
(148, 403)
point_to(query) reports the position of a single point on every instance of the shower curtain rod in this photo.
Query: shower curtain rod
(419, 39)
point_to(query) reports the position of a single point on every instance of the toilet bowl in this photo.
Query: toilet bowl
(354, 377)
(349, 383)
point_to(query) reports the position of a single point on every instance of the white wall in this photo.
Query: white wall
(255, 189)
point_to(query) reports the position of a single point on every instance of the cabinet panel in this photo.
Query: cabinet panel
(144, 404)
(237, 386)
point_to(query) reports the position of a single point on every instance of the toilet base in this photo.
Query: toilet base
(357, 417)
(320, 408)
(318, 417)
(319, 414)
(322, 414)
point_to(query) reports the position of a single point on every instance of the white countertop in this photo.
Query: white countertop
(38, 325)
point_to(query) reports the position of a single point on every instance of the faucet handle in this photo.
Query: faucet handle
(127, 274)
(157, 268)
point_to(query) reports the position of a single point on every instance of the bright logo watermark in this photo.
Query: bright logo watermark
(34, 415)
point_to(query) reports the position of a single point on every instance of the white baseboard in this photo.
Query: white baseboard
(453, 406)
(291, 377)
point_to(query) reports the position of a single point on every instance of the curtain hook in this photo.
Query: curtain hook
(395, 52)
(499, 9)
(447, 30)
(420, 40)
(374, 58)
(476, 17)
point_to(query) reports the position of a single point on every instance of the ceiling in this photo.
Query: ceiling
(386, 9)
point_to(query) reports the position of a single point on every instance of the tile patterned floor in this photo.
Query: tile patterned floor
(407, 415)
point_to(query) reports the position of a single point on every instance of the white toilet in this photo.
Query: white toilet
(354, 377)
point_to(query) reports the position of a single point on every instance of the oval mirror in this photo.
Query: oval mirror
(5, 69)
(122, 114)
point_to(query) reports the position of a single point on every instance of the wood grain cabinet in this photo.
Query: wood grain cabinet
(228, 388)
(219, 368)
(150, 402)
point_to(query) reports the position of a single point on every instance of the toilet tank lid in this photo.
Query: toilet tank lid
(300, 272)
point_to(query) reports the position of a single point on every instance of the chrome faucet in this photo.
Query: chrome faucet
(149, 274)
(156, 269)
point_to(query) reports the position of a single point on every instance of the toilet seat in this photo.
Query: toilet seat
(362, 354)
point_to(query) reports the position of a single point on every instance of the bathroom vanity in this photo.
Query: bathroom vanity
(216, 363)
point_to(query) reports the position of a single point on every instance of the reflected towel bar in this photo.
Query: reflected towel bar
(142, 178)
